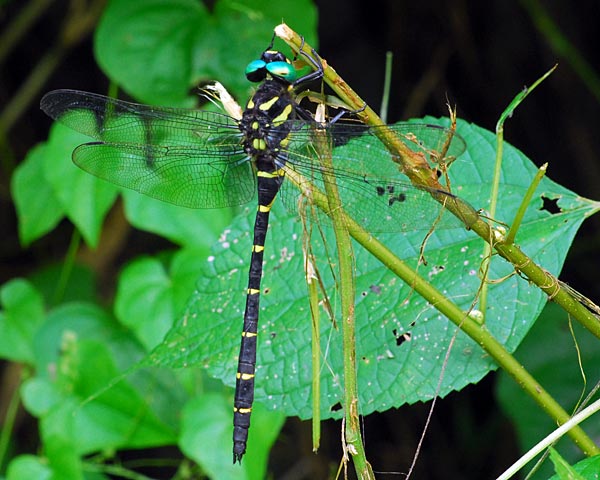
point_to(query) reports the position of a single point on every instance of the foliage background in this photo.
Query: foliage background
(479, 54)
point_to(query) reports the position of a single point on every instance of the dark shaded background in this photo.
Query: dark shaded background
(478, 55)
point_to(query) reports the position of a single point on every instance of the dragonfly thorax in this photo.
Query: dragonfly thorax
(264, 122)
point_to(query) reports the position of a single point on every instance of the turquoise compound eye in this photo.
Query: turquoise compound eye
(282, 70)
(254, 66)
(255, 71)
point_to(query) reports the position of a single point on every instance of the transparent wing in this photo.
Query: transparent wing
(372, 188)
(186, 157)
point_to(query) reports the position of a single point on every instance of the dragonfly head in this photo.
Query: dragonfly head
(273, 64)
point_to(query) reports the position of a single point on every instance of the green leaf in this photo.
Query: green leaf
(79, 320)
(39, 396)
(184, 269)
(38, 208)
(562, 467)
(391, 371)
(209, 416)
(81, 392)
(148, 46)
(28, 467)
(144, 300)
(84, 198)
(184, 226)
(587, 468)
(557, 369)
(79, 286)
(62, 456)
(21, 316)
(120, 417)
(159, 50)
(149, 297)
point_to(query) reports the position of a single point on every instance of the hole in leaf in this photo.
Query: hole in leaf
(401, 337)
(550, 205)
(336, 407)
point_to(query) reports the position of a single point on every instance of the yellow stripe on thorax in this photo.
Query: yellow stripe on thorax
(268, 104)
(283, 116)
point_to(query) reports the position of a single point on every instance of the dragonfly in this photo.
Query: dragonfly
(204, 159)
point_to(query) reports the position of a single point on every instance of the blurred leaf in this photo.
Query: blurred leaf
(81, 394)
(557, 369)
(184, 268)
(21, 316)
(210, 417)
(28, 467)
(84, 198)
(148, 47)
(80, 284)
(63, 457)
(184, 226)
(144, 301)
(83, 321)
(391, 371)
(159, 50)
(149, 297)
(38, 208)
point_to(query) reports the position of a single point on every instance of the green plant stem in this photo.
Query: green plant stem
(516, 223)
(7, 424)
(506, 114)
(387, 82)
(354, 443)
(523, 264)
(313, 296)
(67, 268)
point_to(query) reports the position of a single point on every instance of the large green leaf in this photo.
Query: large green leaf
(391, 371)
(159, 50)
